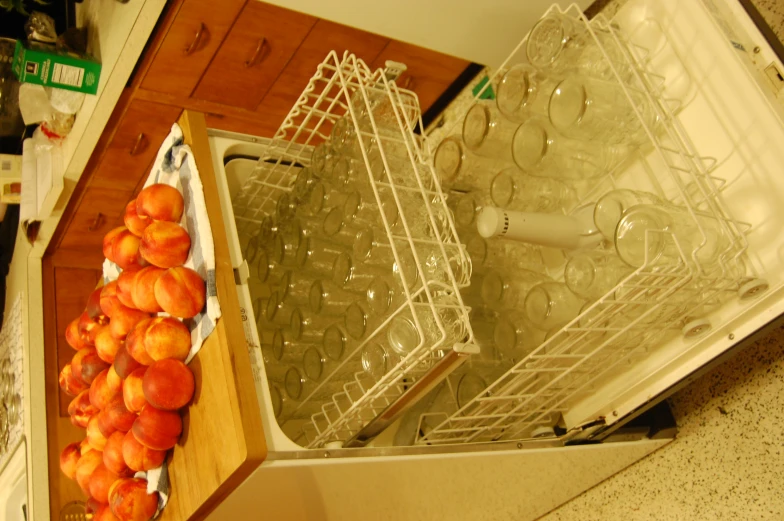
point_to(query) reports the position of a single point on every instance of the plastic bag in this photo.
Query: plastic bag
(40, 28)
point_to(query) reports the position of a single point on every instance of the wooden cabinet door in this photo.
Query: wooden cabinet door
(252, 56)
(192, 40)
(100, 210)
(428, 73)
(135, 144)
(324, 37)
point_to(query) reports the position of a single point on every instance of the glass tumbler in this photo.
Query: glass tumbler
(328, 299)
(508, 290)
(595, 110)
(322, 160)
(523, 92)
(459, 169)
(592, 274)
(514, 336)
(610, 207)
(538, 149)
(377, 360)
(512, 189)
(549, 304)
(486, 132)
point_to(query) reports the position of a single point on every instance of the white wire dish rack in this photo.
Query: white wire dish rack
(656, 302)
(427, 323)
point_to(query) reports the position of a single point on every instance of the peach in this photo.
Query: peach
(69, 384)
(135, 344)
(167, 337)
(108, 241)
(109, 300)
(102, 391)
(72, 336)
(125, 287)
(133, 221)
(124, 363)
(105, 514)
(157, 429)
(100, 481)
(106, 345)
(118, 414)
(95, 438)
(168, 384)
(105, 424)
(133, 391)
(81, 410)
(85, 467)
(165, 244)
(92, 506)
(143, 289)
(113, 379)
(125, 250)
(124, 320)
(88, 328)
(84, 447)
(113, 457)
(93, 308)
(129, 500)
(160, 202)
(181, 292)
(86, 365)
(138, 457)
(69, 457)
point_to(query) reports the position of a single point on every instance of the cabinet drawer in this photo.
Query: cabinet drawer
(428, 73)
(100, 210)
(324, 37)
(135, 144)
(189, 45)
(252, 56)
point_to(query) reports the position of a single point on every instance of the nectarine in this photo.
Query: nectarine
(69, 383)
(181, 292)
(100, 481)
(157, 429)
(93, 308)
(119, 415)
(168, 384)
(85, 467)
(165, 244)
(133, 390)
(104, 513)
(106, 345)
(160, 202)
(143, 289)
(125, 287)
(105, 424)
(124, 363)
(88, 328)
(73, 337)
(129, 500)
(113, 455)
(92, 506)
(102, 392)
(108, 239)
(138, 457)
(86, 365)
(133, 221)
(134, 342)
(81, 410)
(95, 439)
(167, 337)
(125, 250)
(124, 320)
(69, 457)
(109, 300)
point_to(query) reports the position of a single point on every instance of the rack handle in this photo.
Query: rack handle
(254, 60)
(137, 145)
(196, 39)
(96, 223)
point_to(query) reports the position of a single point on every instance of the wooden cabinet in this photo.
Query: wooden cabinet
(100, 210)
(259, 46)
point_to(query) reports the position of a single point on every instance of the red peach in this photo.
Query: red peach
(124, 320)
(181, 292)
(91, 507)
(108, 239)
(136, 223)
(105, 514)
(100, 481)
(168, 384)
(69, 384)
(124, 363)
(88, 328)
(93, 308)
(129, 500)
(106, 345)
(118, 414)
(85, 467)
(72, 336)
(69, 457)
(138, 457)
(125, 250)
(165, 244)
(81, 410)
(86, 365)
(125, 287)
(95, 439)
(113, 379)
(113, 455)
(157, 429)
(105, 424)
(143, 289)
(102, 391)
(133, 390)
(167, 337)
(135, 343)
(109, 300)
(160, 202)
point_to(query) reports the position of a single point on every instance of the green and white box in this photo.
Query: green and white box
(44, 65)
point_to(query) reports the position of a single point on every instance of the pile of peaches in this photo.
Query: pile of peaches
(128, 376)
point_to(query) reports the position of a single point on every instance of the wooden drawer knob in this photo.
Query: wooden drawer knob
(138, 145)
(256, 54)
(97, 222)
(196, 39)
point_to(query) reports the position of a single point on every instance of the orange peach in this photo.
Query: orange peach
(124, 363)
(86, 365)
(93, 308)
(157, 429)
(143, 289)
(102, 391)
(134, 342)
(124, 320)
(105, 424)
(69, 384)
(167, 337)
(106, 345)
(133, 390)
(125, 287)
(133, 221)
(119, 415)
(181, 292)
(138, 457)
(92, 506)
(81, 410)
(165, 244)
(113, 379)
(129, 500)
(109, 300)
(100, 481)
(108, 240)
(125, 250)
(72, 336)
(69, 457)
(85, 467)
(168, 384)
(160, 202)
(95, 438)
(104, 513)
(113, 455)
(88, 328)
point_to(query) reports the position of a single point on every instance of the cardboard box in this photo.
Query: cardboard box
(44, 65)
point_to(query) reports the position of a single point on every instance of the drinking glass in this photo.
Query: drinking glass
(287, 349)
(317, 256)
(381, 294)
(512, 189)
(421, 219)
(514, 336)
(313, 363)
(459, 169)
(288, 377)
(328, 299)
(471, 385)
(333, 342)
(539, 150)
(278, 312)
(596, 110)
(372, 247)
(443, 327)
(294, 287)
(465, 207)
(307, 325)
(486, 132)
(355, 320)
(508, 290)
(665, 234)
(303, 184)
(611, 206)
(523, 92)
(285, 207)
(549, 304)
(322, 160)
(396, 163)
(336, 230)
(365, 212)
(344, 139)
(323, 196)
(377, 359)
(592, 274)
